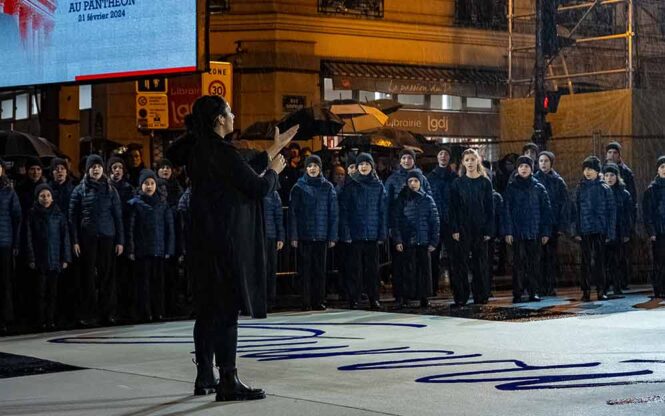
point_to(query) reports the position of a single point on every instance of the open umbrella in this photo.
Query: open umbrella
(15, 144)
(358, 118)
(386, 105)
(313, 121)
(261, 130)
(402, 138)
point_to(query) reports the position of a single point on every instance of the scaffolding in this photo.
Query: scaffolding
(606, 44)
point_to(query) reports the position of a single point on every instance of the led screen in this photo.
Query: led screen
(58, 41)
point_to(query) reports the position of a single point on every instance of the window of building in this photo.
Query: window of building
(34, 104)
(7, 109)
(446, 102)
(22, 107)
(219, 6)
(412, 100)
(360, 8)
(329, 94)
(85, 97)
(479, 103)
(482, 14)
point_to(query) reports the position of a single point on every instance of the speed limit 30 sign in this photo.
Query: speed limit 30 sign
(218, 81)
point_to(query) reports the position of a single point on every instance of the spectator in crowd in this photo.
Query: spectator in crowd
(48, 251)
(595, 225)
(313, 227)
(10, 221)
(416, 236)
(472, 224)
(653, 206)
(151, 241)
(557, 190)
(615, 252)
(136, 165)
(275, 236)
(97, 233)
(363, 224)
(526, 225)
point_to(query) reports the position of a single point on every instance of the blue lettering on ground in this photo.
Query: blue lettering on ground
(303, 341)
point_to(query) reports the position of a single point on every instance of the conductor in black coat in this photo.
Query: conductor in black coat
(228, 245)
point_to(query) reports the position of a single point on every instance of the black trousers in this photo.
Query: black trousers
(593, 262)
(491, 248)
(6, 287)
(417, 282)
(312, 271)
(68, 292)
(527, 265)
(627, 265)
(396, 265)
(123, 272)
(271, 269)
(217, 302)
(475, 247)
(173, 287)
(363, 275)
(549, 270)
(445, 243)
(47, 293)
(97, 284)
(615, 264)
(150, 287)
(658, 247)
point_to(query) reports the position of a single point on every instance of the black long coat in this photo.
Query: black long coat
(226, 208)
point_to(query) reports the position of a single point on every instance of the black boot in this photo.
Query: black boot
(205, 382)
(374, 305)
(586, 296)
(601, 295)
(230, 388)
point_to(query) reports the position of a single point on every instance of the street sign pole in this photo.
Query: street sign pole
(540, 113)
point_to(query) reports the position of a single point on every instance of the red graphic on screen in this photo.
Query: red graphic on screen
(35, 20)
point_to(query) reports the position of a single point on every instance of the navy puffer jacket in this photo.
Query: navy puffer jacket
(557, 190)
(273, 216)
(313, 210)
(440, 180)
(47, 238)
(394, 185)
(95, 210)
(653, 207)
(625, 211)
(595, 209)
(364, 209)
(151, 227)
(526, 210)
(62, 194)
(10, 216)
(417, 219)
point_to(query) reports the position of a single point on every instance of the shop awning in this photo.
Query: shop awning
(411, 79)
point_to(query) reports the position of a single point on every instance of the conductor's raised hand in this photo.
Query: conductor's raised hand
(280, 140)
(278, 164)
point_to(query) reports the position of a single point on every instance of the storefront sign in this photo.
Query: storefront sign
(291, 103)
(448, 124)
(400, 86)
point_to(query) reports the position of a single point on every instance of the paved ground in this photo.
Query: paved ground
(600, 358)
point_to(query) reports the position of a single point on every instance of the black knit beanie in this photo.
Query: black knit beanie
(93, 160)
(164, 162)
(145, 175)
(592, 162)
(409, 152)
(524, 160)
(611, 168)
(613, 145)
(314, 159)
(660, 161)
(530, 146)
(56, 161)
(41, 187)
(115, 159)
(365, 157)
(548, 154)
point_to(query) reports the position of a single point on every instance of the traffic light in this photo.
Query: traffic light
(550, 102)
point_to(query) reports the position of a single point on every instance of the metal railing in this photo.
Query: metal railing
(359, 8)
